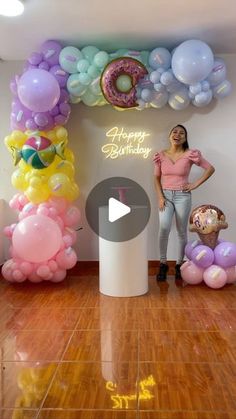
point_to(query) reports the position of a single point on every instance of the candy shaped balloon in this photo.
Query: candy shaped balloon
(207, 220)
(38, 151)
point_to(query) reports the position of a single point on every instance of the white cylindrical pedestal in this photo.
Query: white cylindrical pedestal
(123, 266)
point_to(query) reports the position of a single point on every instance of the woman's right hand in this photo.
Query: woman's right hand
(161, 203)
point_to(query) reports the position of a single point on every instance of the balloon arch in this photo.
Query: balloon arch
(56, 77)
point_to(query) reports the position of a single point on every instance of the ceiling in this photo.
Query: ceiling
(110, 24)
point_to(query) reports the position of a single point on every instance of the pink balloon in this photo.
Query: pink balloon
(59, 275)
(34, 278)
(231, 274)
(215, 276)
(18, 275)
(43, 271)
(53, 266)
(26, 268)
(72, 217)
(66, 258)
(7, 271)
(59, 203)
(191, 273)
(37, 238)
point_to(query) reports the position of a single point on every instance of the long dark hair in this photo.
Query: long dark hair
(185, 145)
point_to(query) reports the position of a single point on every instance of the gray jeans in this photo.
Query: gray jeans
(178, 203)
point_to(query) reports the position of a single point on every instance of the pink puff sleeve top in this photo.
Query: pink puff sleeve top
(174, 175)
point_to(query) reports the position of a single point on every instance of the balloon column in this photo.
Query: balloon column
(210, 260)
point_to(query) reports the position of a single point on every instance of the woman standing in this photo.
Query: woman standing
(172, 168)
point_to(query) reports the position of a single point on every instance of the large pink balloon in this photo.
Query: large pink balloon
(38, 90)
(37, 238)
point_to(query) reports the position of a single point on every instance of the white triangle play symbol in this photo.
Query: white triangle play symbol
(117, 209)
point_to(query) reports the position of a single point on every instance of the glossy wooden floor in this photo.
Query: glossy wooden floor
(68, 352)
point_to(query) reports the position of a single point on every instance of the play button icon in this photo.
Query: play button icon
(117, 209)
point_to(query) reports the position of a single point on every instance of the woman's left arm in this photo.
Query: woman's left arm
(207, 173)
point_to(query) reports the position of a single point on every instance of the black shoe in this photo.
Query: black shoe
(178, 271)
(161, 276)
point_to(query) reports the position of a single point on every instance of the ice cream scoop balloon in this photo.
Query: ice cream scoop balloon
(207, 220)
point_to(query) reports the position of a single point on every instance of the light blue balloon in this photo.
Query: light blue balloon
(101, 59)
(84, 79)
(95, 87)
(174, 86)
(145, 57)
(119, 53)
(147, 95)
(142, 104)
(83, 66)
(74, 85)
(218, 73)
(195, 88)
(68, 59)
(155, 77)
(222, 90)
(93, 71)
(159, 87)
(192, 61)
(160, 57)
(89, 52)
(203, 99)
(74, 99)
(205, 85)
(159, 99)
(166, 78)
(89, 99)
(179, 100)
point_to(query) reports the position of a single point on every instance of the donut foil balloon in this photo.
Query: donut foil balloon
(116, 68)
(207, 221)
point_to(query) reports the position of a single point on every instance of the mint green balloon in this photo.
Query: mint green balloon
(89, 52)
(124, 83)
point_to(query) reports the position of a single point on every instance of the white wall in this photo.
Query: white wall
(210, 129)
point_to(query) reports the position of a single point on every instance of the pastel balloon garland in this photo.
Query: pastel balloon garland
(209, 259)
(56, 77)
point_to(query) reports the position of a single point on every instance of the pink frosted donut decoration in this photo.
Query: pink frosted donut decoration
(122, 66)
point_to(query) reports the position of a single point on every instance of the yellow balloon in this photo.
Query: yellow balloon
(18, 180)
(37, 195)
(66, 167)
(73, 192)
(69, 155)
(59, 184)
(61, 133)
(24, 166)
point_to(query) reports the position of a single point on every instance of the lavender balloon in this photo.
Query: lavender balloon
(202, 256)
(60, 75)
(51, 51)
(190, 246)
(225, 254)
(38, 90)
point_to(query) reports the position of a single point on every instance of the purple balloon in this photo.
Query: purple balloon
(44, 65)
(60, 119)
(35, 58)
(13, 86)
(225, 254)
(31, 125)
(65, 109)
(38, 90)
(41, 119)
(51, 51)
(55, 111)
(64, 96)
(190, 246)
(202, 256)
(60, 75)
(19, 115)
